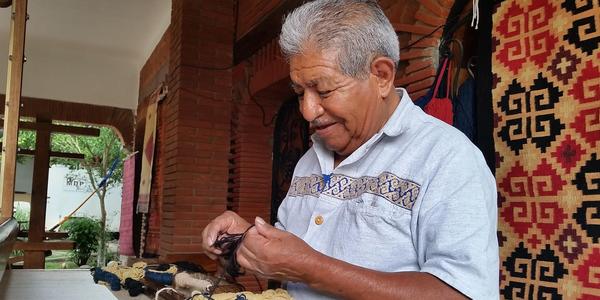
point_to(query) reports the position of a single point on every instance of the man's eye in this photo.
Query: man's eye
(300, 96)
(325, 94)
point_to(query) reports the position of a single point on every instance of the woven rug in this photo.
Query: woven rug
(546, 94)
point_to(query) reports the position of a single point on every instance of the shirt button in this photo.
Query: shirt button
(318, 220)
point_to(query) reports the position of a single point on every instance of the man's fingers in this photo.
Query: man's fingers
(210, 255)
(243, 261)
(264, 228)
(209, 235)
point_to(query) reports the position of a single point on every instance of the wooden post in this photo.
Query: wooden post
(12, 105)
(39, 192)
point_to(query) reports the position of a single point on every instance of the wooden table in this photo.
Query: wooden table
(36, 284)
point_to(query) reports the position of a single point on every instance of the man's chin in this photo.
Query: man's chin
(339, 150)
(331, 146)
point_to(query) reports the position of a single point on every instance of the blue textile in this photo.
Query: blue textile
(464, 109)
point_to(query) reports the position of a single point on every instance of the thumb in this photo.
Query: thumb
(264, 228)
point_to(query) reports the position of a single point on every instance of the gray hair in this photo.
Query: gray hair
(358, 28)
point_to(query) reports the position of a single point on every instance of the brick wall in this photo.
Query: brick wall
(250, 12)
(197, 119)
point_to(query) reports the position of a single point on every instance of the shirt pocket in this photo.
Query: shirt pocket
(374, 233)
(378, 207)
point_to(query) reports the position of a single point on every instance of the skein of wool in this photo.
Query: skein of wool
(110, 278)
(229, 244)
(165, 278)
(133, 286)
(136, 272)
(187, 281)
(190, 267)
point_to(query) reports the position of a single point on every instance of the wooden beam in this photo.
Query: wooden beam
(52, 153)
(43, 246)
(119, 118)
(12, 105)
(66, 155)
(267, 29)
(15, 259)
(49, 235)
(87, 131)
(56, 235)
(39, 194)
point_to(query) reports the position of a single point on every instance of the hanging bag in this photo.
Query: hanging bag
(441, 107)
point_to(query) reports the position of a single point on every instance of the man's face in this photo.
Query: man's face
(342, 110)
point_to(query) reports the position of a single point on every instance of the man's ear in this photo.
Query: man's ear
(384, 70)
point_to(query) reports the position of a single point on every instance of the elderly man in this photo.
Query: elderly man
(389, 202)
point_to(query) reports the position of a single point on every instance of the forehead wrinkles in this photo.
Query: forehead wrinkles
(312, 76)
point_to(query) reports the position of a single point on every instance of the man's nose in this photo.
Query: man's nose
(311, 107)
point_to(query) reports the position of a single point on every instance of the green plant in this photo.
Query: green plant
(85, 232)
(22, 217)
(112, 255)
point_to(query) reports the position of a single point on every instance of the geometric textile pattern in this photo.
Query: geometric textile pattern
(398, 191)
(546, 94)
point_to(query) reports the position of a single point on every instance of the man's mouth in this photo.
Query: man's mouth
(324, 130)
(322, 127)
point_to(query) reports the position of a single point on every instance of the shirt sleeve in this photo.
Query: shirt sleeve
(281, 216)
(456, 227)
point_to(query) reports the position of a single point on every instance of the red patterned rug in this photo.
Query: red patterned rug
(546, 93)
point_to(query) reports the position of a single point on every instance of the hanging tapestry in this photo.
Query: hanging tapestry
(147, 159)
(127, 211)
(290, 142)
(546, 94)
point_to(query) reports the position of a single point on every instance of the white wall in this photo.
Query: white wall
(24, 175)
(64, 195)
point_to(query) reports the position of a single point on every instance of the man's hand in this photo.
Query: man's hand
(228, 222)
(273, 253)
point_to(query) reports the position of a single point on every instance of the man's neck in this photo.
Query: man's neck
(390, 106)
(337, 159)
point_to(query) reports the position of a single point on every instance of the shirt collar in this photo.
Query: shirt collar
(395, 125)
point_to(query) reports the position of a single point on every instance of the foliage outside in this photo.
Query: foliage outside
(22, 217)
(85, 232)
(99, 152)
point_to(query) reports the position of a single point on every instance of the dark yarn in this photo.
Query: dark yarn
(133, 286)
(112, 279)
(162, 278)
(189, 267)
(229, 244)
(162, 267)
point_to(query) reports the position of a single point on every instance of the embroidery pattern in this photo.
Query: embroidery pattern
(394, 189)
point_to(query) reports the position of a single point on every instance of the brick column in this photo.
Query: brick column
(197, 120)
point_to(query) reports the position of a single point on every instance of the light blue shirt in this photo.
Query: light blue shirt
(417, 196)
